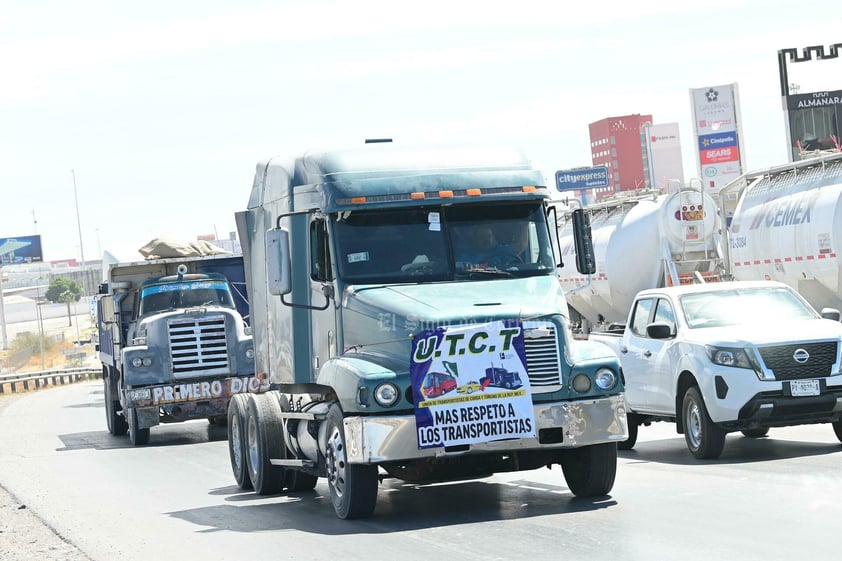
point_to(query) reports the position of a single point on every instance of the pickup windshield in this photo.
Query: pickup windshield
(170, 296)
(744, 306)
(437, 243)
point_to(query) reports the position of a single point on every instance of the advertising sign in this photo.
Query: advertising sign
(22, 249)
(663, 151)
(470, 385)
(717, 129)
(581, 178)
(815, 120)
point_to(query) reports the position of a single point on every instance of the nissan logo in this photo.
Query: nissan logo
(800, 356)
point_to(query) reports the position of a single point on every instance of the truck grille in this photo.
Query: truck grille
(542, 354)
(780, 360)
(198, 345)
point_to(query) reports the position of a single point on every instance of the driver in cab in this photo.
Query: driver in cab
(480, 249)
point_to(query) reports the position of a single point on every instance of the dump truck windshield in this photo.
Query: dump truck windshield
(436, 243)
(161, 297)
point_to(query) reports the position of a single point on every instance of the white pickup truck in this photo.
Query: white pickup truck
(725, 357)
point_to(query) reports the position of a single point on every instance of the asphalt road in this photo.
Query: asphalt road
(766, 499)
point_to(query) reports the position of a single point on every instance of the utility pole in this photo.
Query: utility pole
(78, 221)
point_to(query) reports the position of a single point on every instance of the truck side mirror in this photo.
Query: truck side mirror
(659, 330)
(278, 262)
(831, 313)
(585, 259)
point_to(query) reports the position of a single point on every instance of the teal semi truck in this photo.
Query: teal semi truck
(368, 269)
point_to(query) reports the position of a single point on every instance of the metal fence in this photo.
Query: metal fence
(24, 382)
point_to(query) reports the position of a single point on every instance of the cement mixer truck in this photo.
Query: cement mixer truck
(645, 239)
(785, 224)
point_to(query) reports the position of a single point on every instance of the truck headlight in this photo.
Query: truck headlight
(581, 383)
(386, 394)
(605, 378)
(726, 356)
(137, 361)
(249, 354)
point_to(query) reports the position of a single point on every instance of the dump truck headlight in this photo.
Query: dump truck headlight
(386, 394)
(605, 378)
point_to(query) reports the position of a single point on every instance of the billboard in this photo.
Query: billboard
(815, 120)
(663, 155)
(22, 249)
(716, 125)
(581, 178)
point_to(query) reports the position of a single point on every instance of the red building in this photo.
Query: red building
(617, 142)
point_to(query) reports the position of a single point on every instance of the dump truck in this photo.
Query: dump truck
(173, 340)
(362, 282)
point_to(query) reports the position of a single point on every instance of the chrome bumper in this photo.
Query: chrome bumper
(372, 440)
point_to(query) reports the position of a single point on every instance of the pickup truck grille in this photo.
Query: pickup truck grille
(541, 354)
(198, 345)
(780, 361)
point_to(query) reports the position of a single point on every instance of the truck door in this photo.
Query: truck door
(661, 362)
(323, 329)
(635, 357)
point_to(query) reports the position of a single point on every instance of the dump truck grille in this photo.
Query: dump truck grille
(781, 360)
(541, 354)
(198, 346)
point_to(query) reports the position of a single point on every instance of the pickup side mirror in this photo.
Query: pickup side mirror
(831, 313)
(278, 262)
(659, 330)
(585, 258)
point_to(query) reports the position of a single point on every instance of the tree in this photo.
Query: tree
(63, 289)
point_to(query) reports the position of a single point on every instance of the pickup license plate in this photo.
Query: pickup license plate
(804, 387)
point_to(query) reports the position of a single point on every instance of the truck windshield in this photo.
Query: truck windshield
(170, 296)
(743, 306)
(436, 243)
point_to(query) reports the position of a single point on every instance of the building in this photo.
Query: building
(662, 150)
(618, 143)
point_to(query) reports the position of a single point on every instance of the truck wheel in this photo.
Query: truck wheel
(137, 435)
(755, 433)
(300, 481)
(353, 487)
(590, 470)
(237, 441)
(704, 439)
(264, 441)
(837, 428)
(629, 443)
(117, 424)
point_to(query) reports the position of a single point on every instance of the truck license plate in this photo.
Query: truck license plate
(804, 387)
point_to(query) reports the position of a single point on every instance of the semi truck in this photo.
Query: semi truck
(644, 239)
(358, 292)
(173, 341)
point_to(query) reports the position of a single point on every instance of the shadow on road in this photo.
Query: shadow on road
(163, 435)
(400, 507)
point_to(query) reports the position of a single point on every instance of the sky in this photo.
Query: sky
(124, 121)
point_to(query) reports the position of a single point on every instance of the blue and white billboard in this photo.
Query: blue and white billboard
(22, 249)
(581, 178)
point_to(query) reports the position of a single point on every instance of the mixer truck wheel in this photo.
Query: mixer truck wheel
(237, 440)
(629, 443)
(117, 424)
(590, 470)
(837, 428)
(137, 435)
(704, 439)
(353, 487)
(264, 441)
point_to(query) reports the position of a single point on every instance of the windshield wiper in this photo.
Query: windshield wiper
(475, 274)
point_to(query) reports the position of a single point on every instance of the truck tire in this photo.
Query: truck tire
(590, 470)
(117, 424)
(300, 481)
(264, 441)
(755, 433)
(629, 443)
(137, 435)
(704, 439)
(353, 487)
(837, 428)
(237, 441)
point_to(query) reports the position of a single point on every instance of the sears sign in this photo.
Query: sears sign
(581, 178)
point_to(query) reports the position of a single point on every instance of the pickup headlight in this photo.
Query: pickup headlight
(725, 356)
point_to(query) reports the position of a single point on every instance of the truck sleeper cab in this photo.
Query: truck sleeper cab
(370, 268)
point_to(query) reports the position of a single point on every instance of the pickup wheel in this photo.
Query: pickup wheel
(704, 439)
(138, 436)
(629, 443)
(755, 433)
(117, 424)
(837, 428)
(590, 470)
(237, 441)
(353, 487)
(264, 441)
